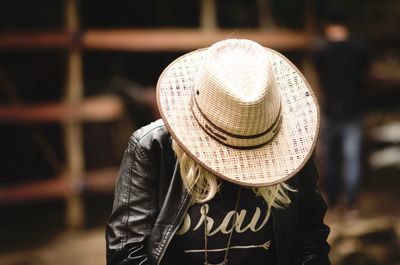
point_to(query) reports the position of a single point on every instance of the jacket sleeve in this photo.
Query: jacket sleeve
(312, 232)
(130, 222)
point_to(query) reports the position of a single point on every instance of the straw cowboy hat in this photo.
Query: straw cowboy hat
(242, 111)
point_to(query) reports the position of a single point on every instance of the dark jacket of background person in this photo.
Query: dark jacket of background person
(150, 203)
(341, 67)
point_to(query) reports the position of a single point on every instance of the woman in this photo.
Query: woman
(226, 176)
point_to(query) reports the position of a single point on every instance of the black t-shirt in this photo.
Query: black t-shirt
(252, 238)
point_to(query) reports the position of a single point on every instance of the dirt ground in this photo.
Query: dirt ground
(37, 236)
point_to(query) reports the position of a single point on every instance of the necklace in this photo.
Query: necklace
(234, 223)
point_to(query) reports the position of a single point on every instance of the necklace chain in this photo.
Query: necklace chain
(234, 223)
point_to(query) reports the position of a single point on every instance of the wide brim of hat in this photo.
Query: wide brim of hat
(278, 160)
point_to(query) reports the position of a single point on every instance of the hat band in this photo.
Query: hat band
(234, 140)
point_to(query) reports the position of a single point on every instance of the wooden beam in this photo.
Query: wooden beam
(187, 39)
(142, 40)
(101, 180)
(95, 109)
(97, 181)
(36, 40)
(39, 190)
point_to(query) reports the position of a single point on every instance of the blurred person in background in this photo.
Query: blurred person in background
(227, 175)
(341, 63)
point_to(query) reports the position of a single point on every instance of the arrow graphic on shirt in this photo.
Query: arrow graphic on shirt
(265, 246)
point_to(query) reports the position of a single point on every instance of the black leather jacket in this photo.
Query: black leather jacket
(150, 202)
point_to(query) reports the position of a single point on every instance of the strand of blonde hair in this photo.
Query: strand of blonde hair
(203, 185)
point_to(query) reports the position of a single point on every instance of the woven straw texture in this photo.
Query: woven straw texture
(276, 161)
(236, 94)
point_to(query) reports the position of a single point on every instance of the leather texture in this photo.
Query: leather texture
(150, 203)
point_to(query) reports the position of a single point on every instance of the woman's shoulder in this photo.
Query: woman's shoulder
(151, 135)
(156, 128)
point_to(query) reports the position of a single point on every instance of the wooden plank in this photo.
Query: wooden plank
(187, 39)
(101, 180)
(95, 109)
(97, 181)
(143, 40)
(40, 190)
(36, 40)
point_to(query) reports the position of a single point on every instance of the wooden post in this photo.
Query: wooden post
(265, 16)
(310, 28)
(75, 161)
(310, 16)
(208, 17)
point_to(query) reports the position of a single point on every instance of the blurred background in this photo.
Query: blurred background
(78, 77)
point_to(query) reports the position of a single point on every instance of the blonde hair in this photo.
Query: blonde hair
(203, 185)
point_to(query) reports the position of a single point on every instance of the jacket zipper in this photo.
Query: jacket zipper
(175, 229)
(276, 237)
